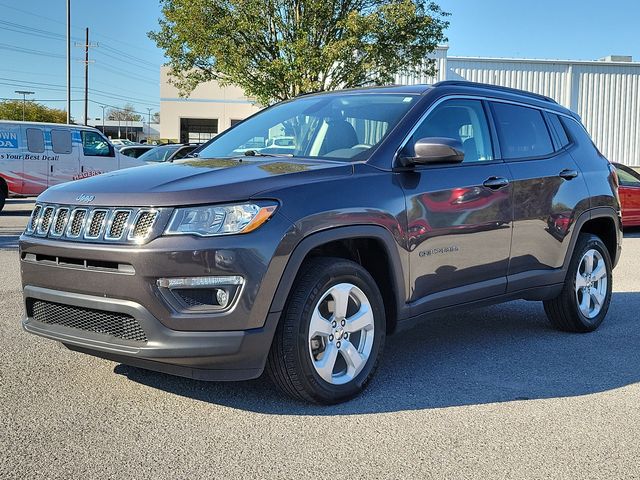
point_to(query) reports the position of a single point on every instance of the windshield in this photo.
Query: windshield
(159, 154)
(333, 126)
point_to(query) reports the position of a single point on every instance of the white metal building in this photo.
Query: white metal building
(605, 93)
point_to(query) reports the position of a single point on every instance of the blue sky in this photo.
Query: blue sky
(126, 67)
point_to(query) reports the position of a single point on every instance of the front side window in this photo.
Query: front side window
(333, 126)
(522, 131)
(35, 140)
(462, 120)
(94, 145)
(61, 141)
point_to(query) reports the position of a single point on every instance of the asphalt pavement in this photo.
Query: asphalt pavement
(490, 393)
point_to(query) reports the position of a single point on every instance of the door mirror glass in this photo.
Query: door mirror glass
(435, 150)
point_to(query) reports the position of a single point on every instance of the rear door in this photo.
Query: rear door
(549, 191)
(64, 161)
(458, 216)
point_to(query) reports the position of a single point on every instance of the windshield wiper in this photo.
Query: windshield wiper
(255, 153)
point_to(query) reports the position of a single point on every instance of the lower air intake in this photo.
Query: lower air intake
(114, 324)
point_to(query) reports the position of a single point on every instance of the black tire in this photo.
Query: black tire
(563, 311)
(290, 365)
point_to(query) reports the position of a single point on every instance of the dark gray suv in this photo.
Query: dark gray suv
(386, 205)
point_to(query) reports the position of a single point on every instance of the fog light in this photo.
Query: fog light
(222, 297)
(190, 282)
(201, 294)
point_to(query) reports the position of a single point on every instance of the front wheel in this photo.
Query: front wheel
(331, 334)
(586, 294)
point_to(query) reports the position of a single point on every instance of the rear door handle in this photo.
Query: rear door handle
(568, 174)
(496, 183)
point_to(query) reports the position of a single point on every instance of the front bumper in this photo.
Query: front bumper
(221, 355)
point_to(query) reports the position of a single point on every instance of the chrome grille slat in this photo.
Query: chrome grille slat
(45, 220)
(95, 224)
(76, 225)
(117, 225)
(143, 225)
(33, 221)
(59, 222)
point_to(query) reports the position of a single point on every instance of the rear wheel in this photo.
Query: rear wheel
(331, 334)
(586, 294)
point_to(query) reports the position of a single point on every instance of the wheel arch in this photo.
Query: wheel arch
(4, 187)
(371, 246)
(605, 223)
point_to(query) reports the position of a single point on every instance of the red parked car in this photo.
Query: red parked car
(629, 195)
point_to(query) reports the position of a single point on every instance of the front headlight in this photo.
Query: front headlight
(213, 220)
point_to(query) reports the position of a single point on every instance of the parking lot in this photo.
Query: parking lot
(491, 393)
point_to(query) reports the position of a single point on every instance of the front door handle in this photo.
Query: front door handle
(568, 174)
(496, 183)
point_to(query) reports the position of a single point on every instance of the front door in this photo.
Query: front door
(97, 155)
(458, 216)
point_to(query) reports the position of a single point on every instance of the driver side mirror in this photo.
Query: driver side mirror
(434, 150)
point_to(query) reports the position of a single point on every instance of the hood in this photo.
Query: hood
(194, 181)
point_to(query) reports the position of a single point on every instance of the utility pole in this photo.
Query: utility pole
(103, 119)
(24, 94)
(68, 61)
(149, 125)
(86, 62)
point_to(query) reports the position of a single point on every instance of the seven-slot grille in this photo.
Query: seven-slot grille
(97, 224)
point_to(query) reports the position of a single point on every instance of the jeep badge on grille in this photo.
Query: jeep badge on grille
(84, 198)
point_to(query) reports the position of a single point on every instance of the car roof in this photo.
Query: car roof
(47, 124)
(461, 87)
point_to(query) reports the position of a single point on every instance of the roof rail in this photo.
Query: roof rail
(487, 86)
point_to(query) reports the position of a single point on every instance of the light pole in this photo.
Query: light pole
(24, 94)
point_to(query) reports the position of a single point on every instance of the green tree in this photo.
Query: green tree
(33, 112)
(126, 114)
(277, 49)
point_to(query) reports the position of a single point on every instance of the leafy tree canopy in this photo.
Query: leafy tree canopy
(277, 49)
(33, 112)
(124, 114)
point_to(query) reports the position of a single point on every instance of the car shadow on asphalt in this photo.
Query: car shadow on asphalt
(495, 354)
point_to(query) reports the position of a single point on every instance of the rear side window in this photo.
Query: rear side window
(35, 140)
(522, 131)
(61, 141)
(558, 128)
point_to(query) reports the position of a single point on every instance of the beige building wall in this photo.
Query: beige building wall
(207, 101)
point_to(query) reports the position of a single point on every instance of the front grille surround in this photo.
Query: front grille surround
(103, 322)
(97, 224)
